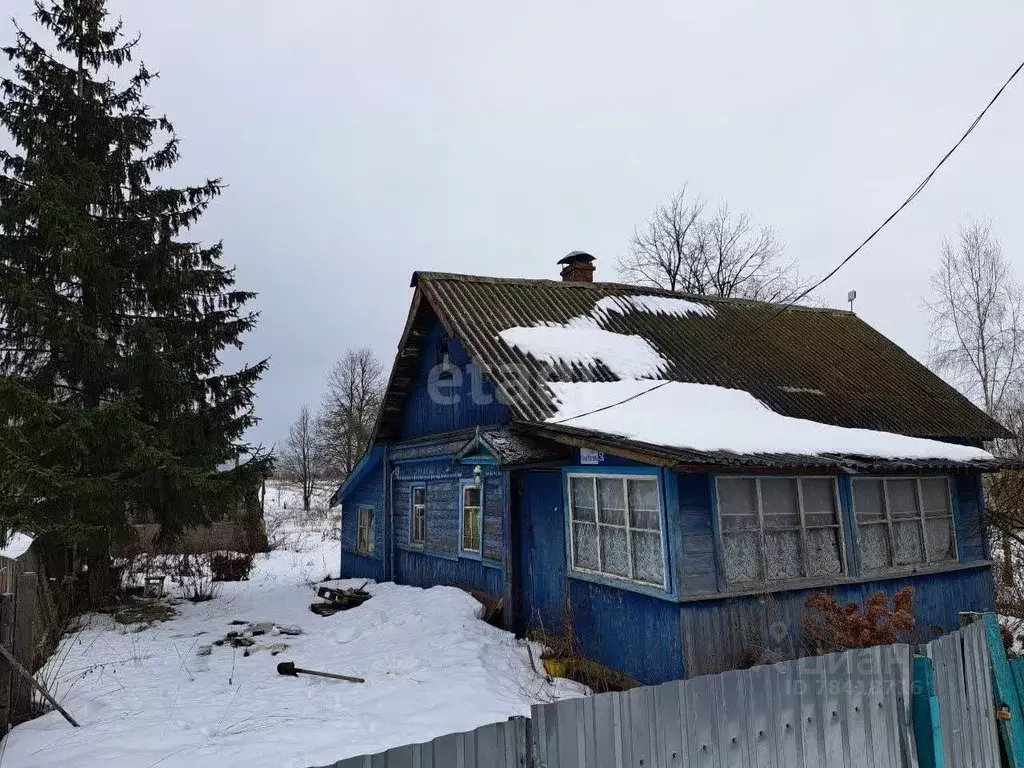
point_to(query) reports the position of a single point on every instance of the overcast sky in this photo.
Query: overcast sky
(365, 140)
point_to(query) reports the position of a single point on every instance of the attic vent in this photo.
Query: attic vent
(578, 267)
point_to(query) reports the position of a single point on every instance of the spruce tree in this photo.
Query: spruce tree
(112, 321)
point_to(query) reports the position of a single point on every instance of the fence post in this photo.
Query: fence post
(1007, 699)
(6, 672)
(24, 641)
(927, 725)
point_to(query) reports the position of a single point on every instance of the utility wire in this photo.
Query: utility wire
(917, 190)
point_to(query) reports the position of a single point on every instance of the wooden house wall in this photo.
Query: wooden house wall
(369, 492)
(471, 401)
(438, 561)
(970, 530)
(631, 632)
(654, 639)
(724, 634)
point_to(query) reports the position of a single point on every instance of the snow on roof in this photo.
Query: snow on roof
(16, 545)
(583, 341)
(628, 357)
(703, 417)
(655, 305)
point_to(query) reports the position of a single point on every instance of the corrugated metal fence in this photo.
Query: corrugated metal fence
(963, 684)
(846, 709)
(501, 745)
(849, 709)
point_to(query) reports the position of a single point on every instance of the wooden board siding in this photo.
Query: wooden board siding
(443, 481)
(473, 401)
(696, 551)
(970, 528)
(426, 571)
(438, 561)
(727, 633)
(631, 632)
(369, 492)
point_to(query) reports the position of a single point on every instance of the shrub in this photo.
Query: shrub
(838, 627)
(231, 566)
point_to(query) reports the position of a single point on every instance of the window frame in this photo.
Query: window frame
(413, 541)
(662, 525)
(919, 519)
(765, 582)
(473, 554)
(369, 528)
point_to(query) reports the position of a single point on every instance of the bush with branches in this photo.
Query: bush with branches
(840, 627)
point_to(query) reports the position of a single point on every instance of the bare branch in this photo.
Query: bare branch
(724, 253)
(355, 389)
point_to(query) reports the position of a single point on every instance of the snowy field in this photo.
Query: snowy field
(146, 696)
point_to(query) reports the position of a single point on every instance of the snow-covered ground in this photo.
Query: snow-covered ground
(146, 697)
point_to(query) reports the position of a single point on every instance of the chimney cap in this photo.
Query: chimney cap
(574, 256)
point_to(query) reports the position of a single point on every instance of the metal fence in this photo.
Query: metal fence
(963, 684)
(846, 709)
(501, 745)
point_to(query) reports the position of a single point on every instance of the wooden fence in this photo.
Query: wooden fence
(33, 605)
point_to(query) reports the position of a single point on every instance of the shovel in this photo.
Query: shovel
(288, 668)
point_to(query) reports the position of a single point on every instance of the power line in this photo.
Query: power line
(917, 190)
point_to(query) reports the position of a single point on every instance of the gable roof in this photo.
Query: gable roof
(825, 365)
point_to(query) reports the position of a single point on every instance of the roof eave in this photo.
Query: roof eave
(687, 460)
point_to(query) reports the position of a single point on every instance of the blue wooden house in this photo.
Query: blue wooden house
(636, 462)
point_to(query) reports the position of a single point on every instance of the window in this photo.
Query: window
(471, 506)
(364, 542)
(418, 532)
(616, 527)
(903, 521)
(777, 529)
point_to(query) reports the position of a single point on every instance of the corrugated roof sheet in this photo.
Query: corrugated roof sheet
(825, 365)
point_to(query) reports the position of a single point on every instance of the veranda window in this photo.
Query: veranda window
(903, 521)
(779, 529)
(616, 527)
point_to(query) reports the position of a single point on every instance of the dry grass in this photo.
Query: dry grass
(142, 611)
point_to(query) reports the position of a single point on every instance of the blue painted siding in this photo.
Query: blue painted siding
(369, 491)
(728, 633)
(422, 570)
(630, 632)
(540, 532)
(468, 399)
(439, 560)
(359, 567)
(696, 558)
(969, 498)
(655, 639)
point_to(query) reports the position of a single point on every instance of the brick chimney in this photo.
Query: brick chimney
(578, 267)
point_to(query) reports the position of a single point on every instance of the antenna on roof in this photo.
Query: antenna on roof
(851, 297)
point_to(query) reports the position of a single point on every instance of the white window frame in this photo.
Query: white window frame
(478, 552)
(417, 516)
(920, 520)
(594, 477)
(364, 531)
(805, 550)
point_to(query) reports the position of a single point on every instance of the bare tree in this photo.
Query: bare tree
(301, 456)
(355, 389)
(684, 248)
(977, 341)
(976, 308)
